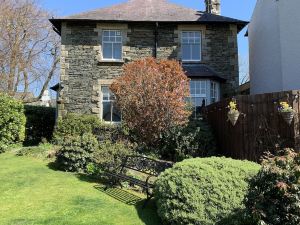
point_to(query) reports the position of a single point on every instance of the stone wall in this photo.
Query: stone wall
(83, 70)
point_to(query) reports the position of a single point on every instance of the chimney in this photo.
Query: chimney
(213, 6)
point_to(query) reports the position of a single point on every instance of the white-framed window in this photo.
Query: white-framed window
(198, 92)
(110, 112)
(203, 92)
(191, 45)
(112, 45)
(214, 92)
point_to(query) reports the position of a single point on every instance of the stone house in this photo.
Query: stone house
(96, 44)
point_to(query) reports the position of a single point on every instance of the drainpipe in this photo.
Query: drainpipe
(156, 39)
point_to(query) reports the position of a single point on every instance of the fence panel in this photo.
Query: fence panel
(260, 127)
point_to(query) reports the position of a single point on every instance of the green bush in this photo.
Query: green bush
(76, 124)
(40, 122)
(12, 121)
(108, 157)
(76, 152)
(194, 140)
(274, 194)
(2, 147)
(203, 191)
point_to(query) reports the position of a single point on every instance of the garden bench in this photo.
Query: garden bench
(147, 167)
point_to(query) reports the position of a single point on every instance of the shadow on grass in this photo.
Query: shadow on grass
(53, 166)
(148, 214)
(120, 195)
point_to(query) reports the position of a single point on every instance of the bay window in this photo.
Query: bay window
(203, 92)
(214, 92)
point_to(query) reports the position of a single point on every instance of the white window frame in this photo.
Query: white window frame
(112, 42)
(102, 108)
(214, 92)
(201, 94)
(192, 41)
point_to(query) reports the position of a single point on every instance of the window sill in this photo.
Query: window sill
(112, 123)
(191, 62)
(111, 61)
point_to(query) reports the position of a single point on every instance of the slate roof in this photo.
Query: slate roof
(148, 11)
(202, 71)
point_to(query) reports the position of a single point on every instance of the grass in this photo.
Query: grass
(32, 194)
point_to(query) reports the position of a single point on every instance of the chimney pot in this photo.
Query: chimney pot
(213, 6)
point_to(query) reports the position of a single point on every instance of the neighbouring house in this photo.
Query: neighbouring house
(96, 44)
(274, 43)
(44, 101)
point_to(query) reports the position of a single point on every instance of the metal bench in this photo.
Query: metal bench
(150, 168)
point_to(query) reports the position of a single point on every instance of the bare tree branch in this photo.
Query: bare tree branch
(27, 43)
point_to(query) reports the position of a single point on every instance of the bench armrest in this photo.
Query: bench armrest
(148, 178)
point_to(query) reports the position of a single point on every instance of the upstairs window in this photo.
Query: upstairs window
(191, 45)
(112, 45)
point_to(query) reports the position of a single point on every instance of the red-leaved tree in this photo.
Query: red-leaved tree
(151, 96)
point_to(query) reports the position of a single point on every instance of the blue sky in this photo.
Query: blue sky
(239, 9)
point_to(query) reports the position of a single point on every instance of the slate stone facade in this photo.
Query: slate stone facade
(83, 70)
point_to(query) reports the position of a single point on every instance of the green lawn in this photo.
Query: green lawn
(32, 193)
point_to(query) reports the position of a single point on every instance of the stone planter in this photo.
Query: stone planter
(233, 117)
(288, 117)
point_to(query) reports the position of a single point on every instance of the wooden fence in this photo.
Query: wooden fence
(260, 127)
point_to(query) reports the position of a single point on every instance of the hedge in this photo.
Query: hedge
(12, 121)
(40, 124)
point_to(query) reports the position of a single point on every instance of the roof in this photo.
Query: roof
(201, 71)
(148, 11)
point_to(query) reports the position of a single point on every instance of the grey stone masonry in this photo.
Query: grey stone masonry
(83, 69)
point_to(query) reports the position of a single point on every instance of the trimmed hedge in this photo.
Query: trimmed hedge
(39, 125)
(12, 121)
(203, 191)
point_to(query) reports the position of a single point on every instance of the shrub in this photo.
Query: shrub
(108, 157)
(40, 122)
(151, 94)
(76, 124)
(203, 191)
(12, 121)
(110, 133)
(274, 194)
(194, 140)
(76, 152)
(2, 148)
